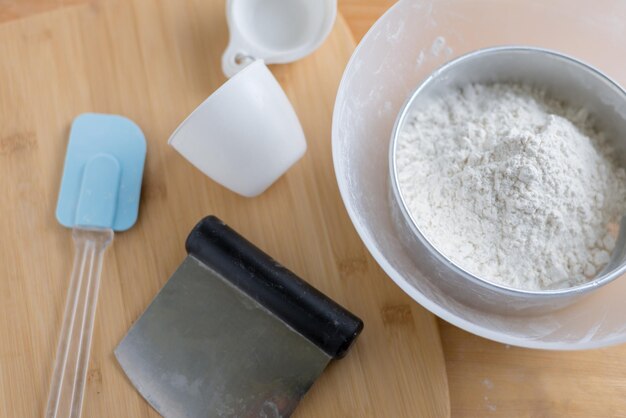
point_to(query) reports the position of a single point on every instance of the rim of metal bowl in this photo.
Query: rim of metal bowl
(406, 213)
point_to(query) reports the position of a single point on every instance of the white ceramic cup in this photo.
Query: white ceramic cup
(245, 135)
(276, 31)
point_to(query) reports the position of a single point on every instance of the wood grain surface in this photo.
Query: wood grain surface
(154, 61)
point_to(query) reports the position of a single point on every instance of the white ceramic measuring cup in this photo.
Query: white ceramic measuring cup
(245, 135)
(276, 31)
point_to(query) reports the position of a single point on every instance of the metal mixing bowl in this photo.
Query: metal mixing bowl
(564, 78)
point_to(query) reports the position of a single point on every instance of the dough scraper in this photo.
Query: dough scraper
(232, 333)
(100, 191)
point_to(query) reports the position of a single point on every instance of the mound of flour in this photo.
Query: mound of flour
(512, 185)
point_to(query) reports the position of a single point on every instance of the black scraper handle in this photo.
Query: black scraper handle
(311, 313)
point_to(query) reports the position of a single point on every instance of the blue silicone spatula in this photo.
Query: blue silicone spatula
(99, 194)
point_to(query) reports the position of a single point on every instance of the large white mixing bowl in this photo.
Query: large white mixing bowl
(410, 41)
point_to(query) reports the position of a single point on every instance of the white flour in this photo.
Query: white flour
(512, 186)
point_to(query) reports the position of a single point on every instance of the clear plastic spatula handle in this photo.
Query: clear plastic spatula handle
(72, 357)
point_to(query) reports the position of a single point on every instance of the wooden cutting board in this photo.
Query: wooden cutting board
(154, 61)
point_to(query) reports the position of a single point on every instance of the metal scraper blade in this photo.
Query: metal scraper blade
(204, 348)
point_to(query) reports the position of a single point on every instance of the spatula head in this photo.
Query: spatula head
(102, 175)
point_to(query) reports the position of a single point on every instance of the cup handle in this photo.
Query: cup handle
(235, 59)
